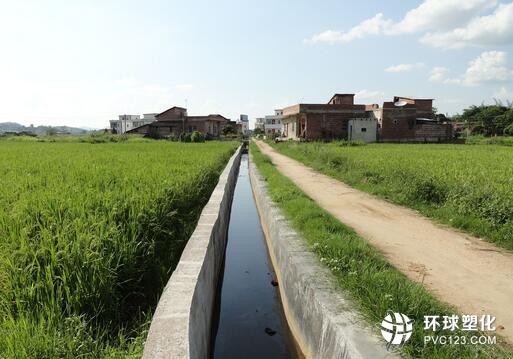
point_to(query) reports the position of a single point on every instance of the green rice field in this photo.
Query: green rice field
(89, 235)
(468, 187)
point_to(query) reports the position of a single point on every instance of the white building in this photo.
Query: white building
(362, 129)
(260, 123)
(273, 125)
(129, 122)
(244, 121)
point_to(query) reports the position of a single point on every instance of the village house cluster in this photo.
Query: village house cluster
(401, 120)
(175, 121)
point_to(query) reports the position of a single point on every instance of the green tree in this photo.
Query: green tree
(229, 129)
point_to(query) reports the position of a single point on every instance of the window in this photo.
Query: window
(364, 129)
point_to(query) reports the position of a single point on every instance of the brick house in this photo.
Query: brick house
(174, 121)
(322, 121)
(401, 120)
(409, 120)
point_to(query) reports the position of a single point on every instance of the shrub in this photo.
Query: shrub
(185, 137)
(197, 137)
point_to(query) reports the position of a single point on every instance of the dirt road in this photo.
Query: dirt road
(463, 271)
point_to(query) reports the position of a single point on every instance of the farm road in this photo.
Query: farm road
(472, 275)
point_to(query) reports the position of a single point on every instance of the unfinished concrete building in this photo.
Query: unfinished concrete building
(410, 120)
(338, 119)
(401, 120)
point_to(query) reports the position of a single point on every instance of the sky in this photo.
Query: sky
(82, 63)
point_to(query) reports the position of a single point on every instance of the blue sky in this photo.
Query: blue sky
(82, 63)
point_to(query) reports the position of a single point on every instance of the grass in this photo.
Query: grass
(89, 235)
(92, 137)
(467, 187)
(374, 284)
(495, 140)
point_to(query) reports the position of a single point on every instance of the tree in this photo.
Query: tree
(489, 117)
(488, 120)
(504, 121)
(509, 130)
(229, 129)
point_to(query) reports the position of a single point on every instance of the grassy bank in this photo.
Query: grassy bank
(361, 271)
(468, 187)
(89, 235)
(494, 140)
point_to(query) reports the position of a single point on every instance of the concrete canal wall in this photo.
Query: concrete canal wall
(181, 325)
(322, 319)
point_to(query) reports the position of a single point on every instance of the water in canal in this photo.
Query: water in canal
(251, 322)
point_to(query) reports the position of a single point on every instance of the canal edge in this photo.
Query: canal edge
(324, 321)
(182, 322)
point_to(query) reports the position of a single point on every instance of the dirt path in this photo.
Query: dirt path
(463, 271)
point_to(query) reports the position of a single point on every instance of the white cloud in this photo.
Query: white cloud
(443, 23)
(368, 95)
(372, 26)
(492, 29)
(504, 94)
(490, 66)
(441, 75)
(439, 14)
(405, 67)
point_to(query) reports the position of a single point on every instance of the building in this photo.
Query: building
(128, 122)
(273, 124)
(362, 129)
(402, 120)
(150, 117)
(326, 121)
(244, 122)
(409, 120)
(175, 121)
(260, 123)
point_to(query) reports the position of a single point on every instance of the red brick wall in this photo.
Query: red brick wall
(424, 105)
(347, 99)
(433, 132)
(398, 124)
(327, 125)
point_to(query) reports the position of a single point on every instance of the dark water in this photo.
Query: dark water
(248, 302)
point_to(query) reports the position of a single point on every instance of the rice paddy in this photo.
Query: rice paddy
(89, 235)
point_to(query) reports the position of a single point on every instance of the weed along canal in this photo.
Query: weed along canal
(250, 319)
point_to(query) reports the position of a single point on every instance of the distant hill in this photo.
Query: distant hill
(40, 130)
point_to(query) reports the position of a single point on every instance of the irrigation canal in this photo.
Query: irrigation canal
(250, 319)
